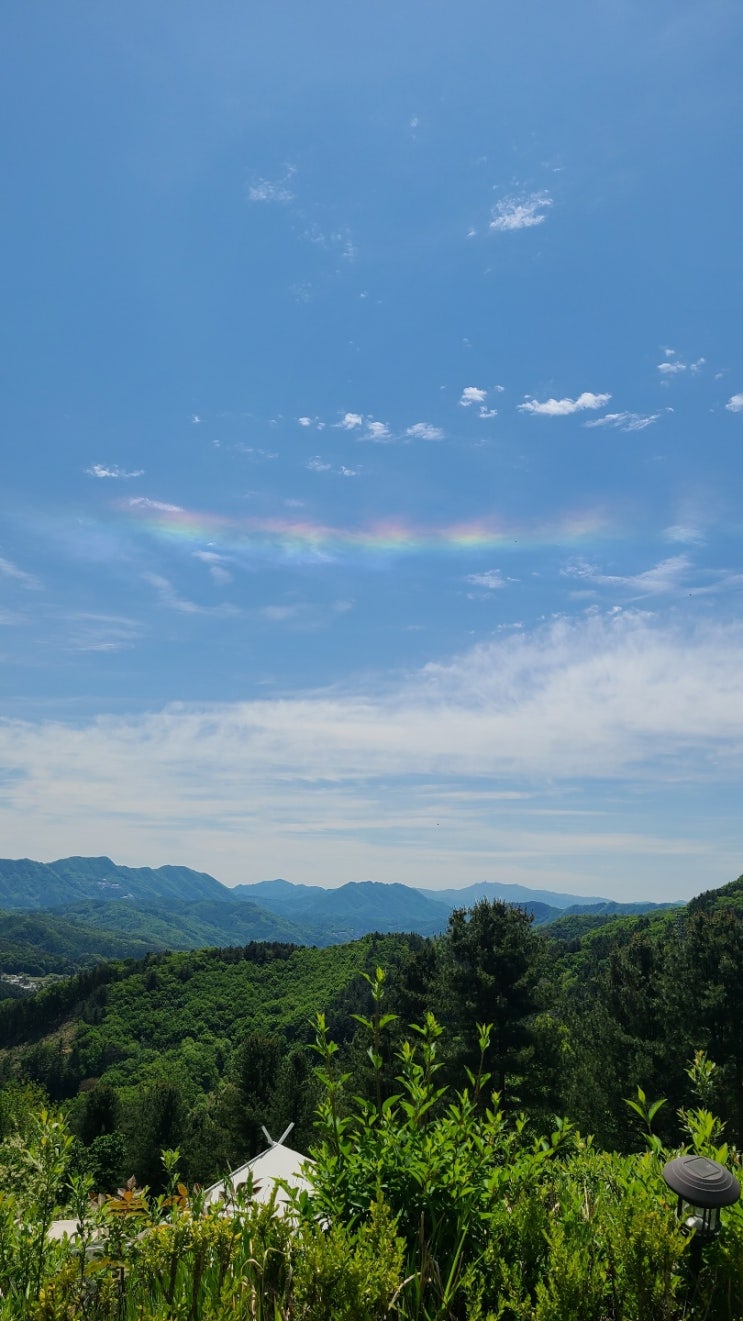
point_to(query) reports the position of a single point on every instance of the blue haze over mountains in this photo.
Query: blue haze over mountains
(114, 911)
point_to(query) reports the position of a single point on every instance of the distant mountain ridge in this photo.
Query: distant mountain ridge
(28, 884)
(90, 908)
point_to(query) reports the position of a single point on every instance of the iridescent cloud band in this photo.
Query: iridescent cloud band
(299, 539)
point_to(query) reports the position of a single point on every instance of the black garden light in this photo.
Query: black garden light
(702, 1187)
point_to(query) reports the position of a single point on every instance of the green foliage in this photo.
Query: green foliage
(428, 1206)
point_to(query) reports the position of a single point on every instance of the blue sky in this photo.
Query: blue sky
(372, 411)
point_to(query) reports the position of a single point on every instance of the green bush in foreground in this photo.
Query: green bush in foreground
(429, 1205)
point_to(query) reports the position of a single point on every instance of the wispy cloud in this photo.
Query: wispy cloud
(687, 534)
(273, 190)
(318, 464)
(101, 633)
(520, 211)
(627, 421)
(735, 403)
(564, 407)
(490, 579)
(255, 453)
(424, 431)
(169, 597)
(144, 502)
(121, 474)
(216, 566)
(283, 614)
(667, 576)
(378, 432)
(10, 570)
(617, 700)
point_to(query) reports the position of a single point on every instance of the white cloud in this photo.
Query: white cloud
(195, 419)
(255, 453)
(144, 502)
(424, 431)
(215, 563)
(273, 190)
(671, 368)
(101, 633)
(305, 421)
(318, 464)
(618, 700)
(100, 470)
(564, 407)
(472, 394)
(486, 413)
(520, 212)
(378, 432)
(627, 421)
(350, 421)
(10, 570)
(490, 579)
(673, 365)
(735, 403)
(685, 533)
(670, 575)
(169, 597)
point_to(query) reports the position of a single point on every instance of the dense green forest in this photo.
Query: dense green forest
(199, 1049)
(445, 1182)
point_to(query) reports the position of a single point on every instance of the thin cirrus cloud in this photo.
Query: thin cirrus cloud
(113, 471)
(627, 421)
(670, 575)
(685, 534)
(216, 566)
(564, 407)
(24, 579)
(169, 597)
(520, 211)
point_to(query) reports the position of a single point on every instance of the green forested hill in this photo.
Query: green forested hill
(38, 943)
(126, 1021)
(28, 884)
(198, 1048)
(186, 925)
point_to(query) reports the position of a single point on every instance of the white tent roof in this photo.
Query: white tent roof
(277, 1163)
